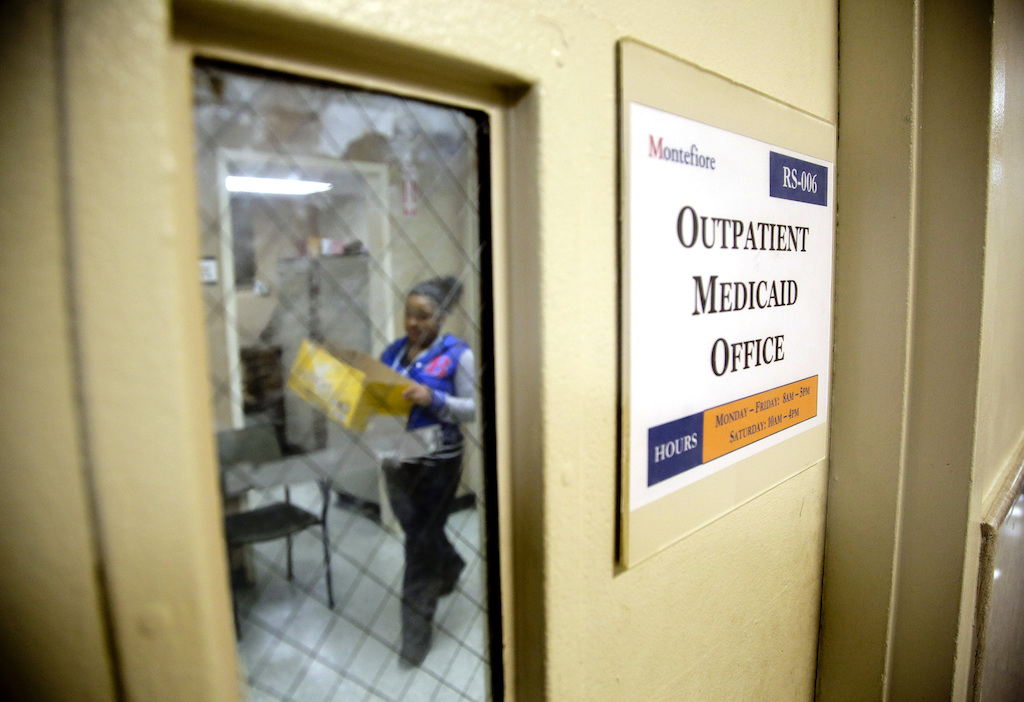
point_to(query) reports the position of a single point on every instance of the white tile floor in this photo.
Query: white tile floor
(294, 648)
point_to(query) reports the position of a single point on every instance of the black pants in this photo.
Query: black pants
(422, 493)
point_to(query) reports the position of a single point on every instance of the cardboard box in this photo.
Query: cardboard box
(347, 385)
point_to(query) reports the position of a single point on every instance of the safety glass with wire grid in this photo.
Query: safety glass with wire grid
(321, 207)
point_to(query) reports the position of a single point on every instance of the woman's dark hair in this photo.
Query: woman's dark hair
(444, 290)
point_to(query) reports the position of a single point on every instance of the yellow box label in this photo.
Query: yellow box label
(341, 391)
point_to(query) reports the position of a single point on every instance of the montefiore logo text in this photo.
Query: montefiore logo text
(687, 157)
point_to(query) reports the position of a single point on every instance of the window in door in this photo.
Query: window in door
(350, 230)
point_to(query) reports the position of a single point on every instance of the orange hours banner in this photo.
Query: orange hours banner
(678, 446)
(736, 424)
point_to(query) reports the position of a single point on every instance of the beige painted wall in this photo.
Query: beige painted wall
(929, 271)
(729, 613)
(148, 445)
(1000, 402)
(1000, 412)
(49, 583)
(874, 247)
(106, 433)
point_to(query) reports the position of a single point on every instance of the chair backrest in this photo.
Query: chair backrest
(256, 444)
(251, 458)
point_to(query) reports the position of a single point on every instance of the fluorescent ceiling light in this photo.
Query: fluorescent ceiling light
(274, 186)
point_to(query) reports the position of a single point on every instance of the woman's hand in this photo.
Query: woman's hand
(419, 395)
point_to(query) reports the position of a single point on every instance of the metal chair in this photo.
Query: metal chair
(250, 460)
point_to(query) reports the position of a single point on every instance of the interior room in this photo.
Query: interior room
(320, 207)
(155, 299)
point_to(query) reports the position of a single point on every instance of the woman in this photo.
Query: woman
(422, 489)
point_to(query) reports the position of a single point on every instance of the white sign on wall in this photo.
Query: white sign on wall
(727, 298)
(730, 298)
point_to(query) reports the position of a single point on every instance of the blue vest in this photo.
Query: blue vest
(435, 368)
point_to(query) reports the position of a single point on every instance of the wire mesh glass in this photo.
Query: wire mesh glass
(320, 207)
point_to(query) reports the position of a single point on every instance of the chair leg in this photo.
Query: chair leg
(288, 539)
(234, 610)
(234, 599)
(325, 493)
(327, 564)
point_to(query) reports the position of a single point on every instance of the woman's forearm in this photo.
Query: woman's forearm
(461, 405)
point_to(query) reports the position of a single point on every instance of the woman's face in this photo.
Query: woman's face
(422, 321)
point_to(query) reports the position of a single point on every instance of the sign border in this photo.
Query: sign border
(651, 77)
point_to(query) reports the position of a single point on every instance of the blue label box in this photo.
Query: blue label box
(793, 179)
(674, 448)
